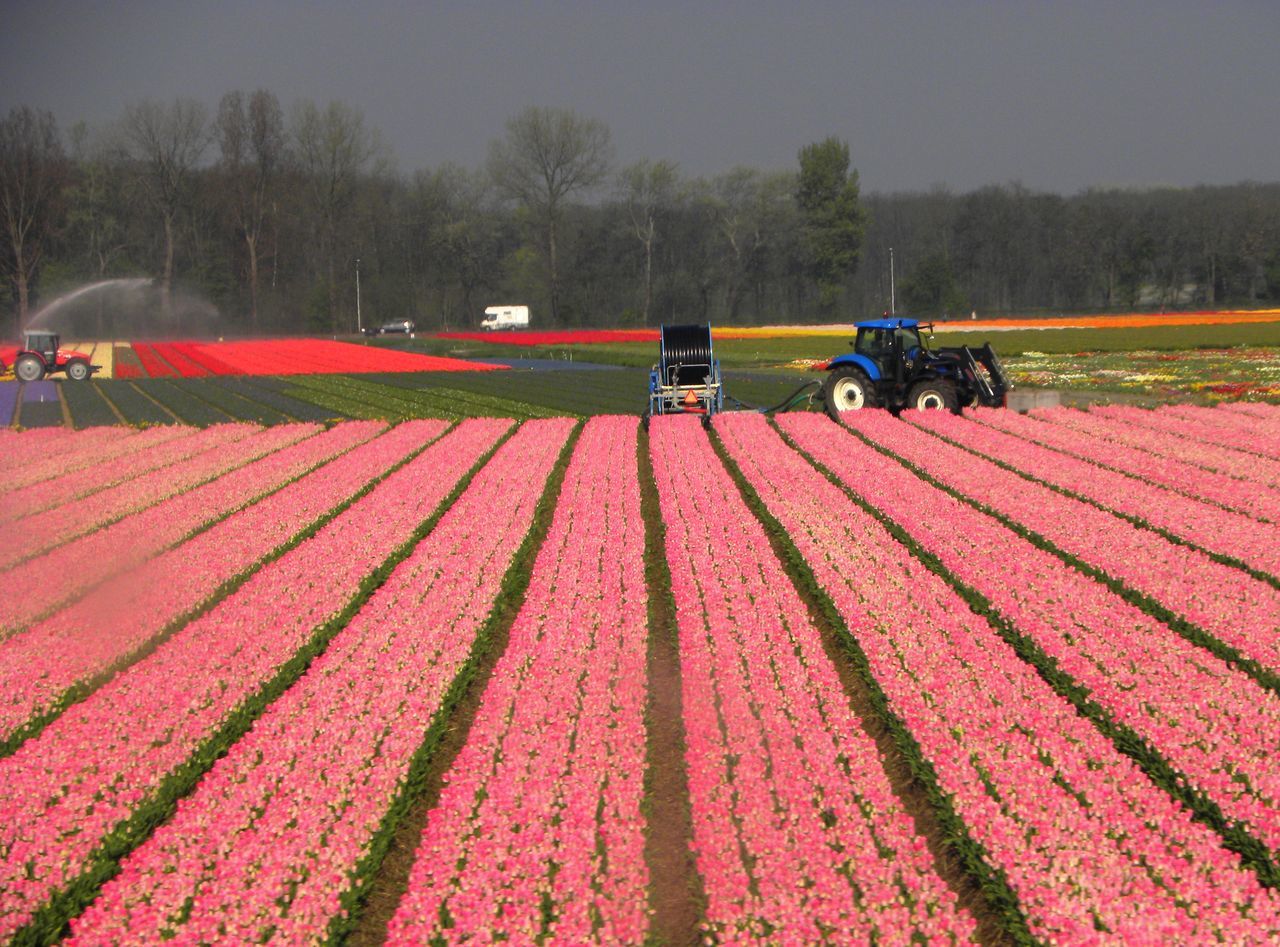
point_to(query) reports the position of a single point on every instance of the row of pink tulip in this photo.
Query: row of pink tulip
(1213, 723)
(1231, 605)
(1092, 848)
(71, 787)
(88, 450)
(272, 837)
(28, 456)
(117, 618)
(1258, 436)
(1210, 528)
(1257, 409)
(1116, 430)
(250, 468)
(538, 833)
(1170, 473)
(1202, 431)
(1250, 425)
(213, 453)
(798, 834)
(115, 462)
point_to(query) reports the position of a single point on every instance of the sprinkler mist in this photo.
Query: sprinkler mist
(130, 307)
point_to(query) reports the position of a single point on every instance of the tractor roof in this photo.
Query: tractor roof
(888, 324)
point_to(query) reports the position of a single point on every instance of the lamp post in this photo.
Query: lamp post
(359, 324)
(893, 302)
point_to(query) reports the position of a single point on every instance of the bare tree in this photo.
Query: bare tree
(96, 217)
(649, 188)
(751, 209)
(252, 145)
(95, 202)
(333, 149)
(167, 142)
(33, 174)
(456, 233)
(547, 155)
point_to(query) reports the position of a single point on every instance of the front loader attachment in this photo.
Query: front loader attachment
(985, 375)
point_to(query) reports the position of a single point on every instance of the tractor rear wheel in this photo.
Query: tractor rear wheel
(848, 389)
(77, 369)
(29, 368)
(934, 394)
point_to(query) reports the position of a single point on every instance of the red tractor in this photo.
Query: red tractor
(41, 355)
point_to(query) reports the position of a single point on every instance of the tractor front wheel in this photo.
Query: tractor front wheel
(848, 389)
(29, 368)
(935, 394)
(77, 369)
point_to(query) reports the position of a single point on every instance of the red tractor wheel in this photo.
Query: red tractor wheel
(29, 367)
(77, 369)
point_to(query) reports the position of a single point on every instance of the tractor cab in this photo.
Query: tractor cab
(892, 366)
(888, 342)
(44, 344)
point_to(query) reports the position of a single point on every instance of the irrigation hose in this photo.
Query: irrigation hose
(786, 404)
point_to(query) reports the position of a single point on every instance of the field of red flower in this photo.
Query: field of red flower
(144, 359)
(936, 679)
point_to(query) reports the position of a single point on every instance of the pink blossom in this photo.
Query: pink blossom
(69, 787)
(796, 828)
(543, 804)
(117, 618)
(1077, 828)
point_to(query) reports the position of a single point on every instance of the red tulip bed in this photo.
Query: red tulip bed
(930, 679)
(188, 359)
(525, 338)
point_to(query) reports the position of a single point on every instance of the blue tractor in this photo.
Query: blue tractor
(892, 367)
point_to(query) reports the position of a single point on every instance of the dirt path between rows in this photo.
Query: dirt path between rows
(676, 896)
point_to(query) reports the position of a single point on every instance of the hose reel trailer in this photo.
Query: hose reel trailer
(686, 379)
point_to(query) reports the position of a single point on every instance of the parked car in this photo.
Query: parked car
(404, 326)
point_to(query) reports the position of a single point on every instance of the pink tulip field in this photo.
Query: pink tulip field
(978, 678)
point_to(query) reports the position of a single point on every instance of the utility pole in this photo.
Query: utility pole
(359, 325)
(893, 302)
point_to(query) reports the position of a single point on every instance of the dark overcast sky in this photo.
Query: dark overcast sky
(1059, 95)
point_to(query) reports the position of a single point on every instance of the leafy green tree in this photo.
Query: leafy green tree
(834, 221)
(931, 288)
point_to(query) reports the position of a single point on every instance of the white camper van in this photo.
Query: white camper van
(506, 317)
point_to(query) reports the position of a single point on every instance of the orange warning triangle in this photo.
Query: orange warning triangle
(690, 398)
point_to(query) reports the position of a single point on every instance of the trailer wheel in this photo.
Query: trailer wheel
(77, 369)
(935, 394)
(848, 389)
(29, 368)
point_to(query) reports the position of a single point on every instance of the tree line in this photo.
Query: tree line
(277, 217)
